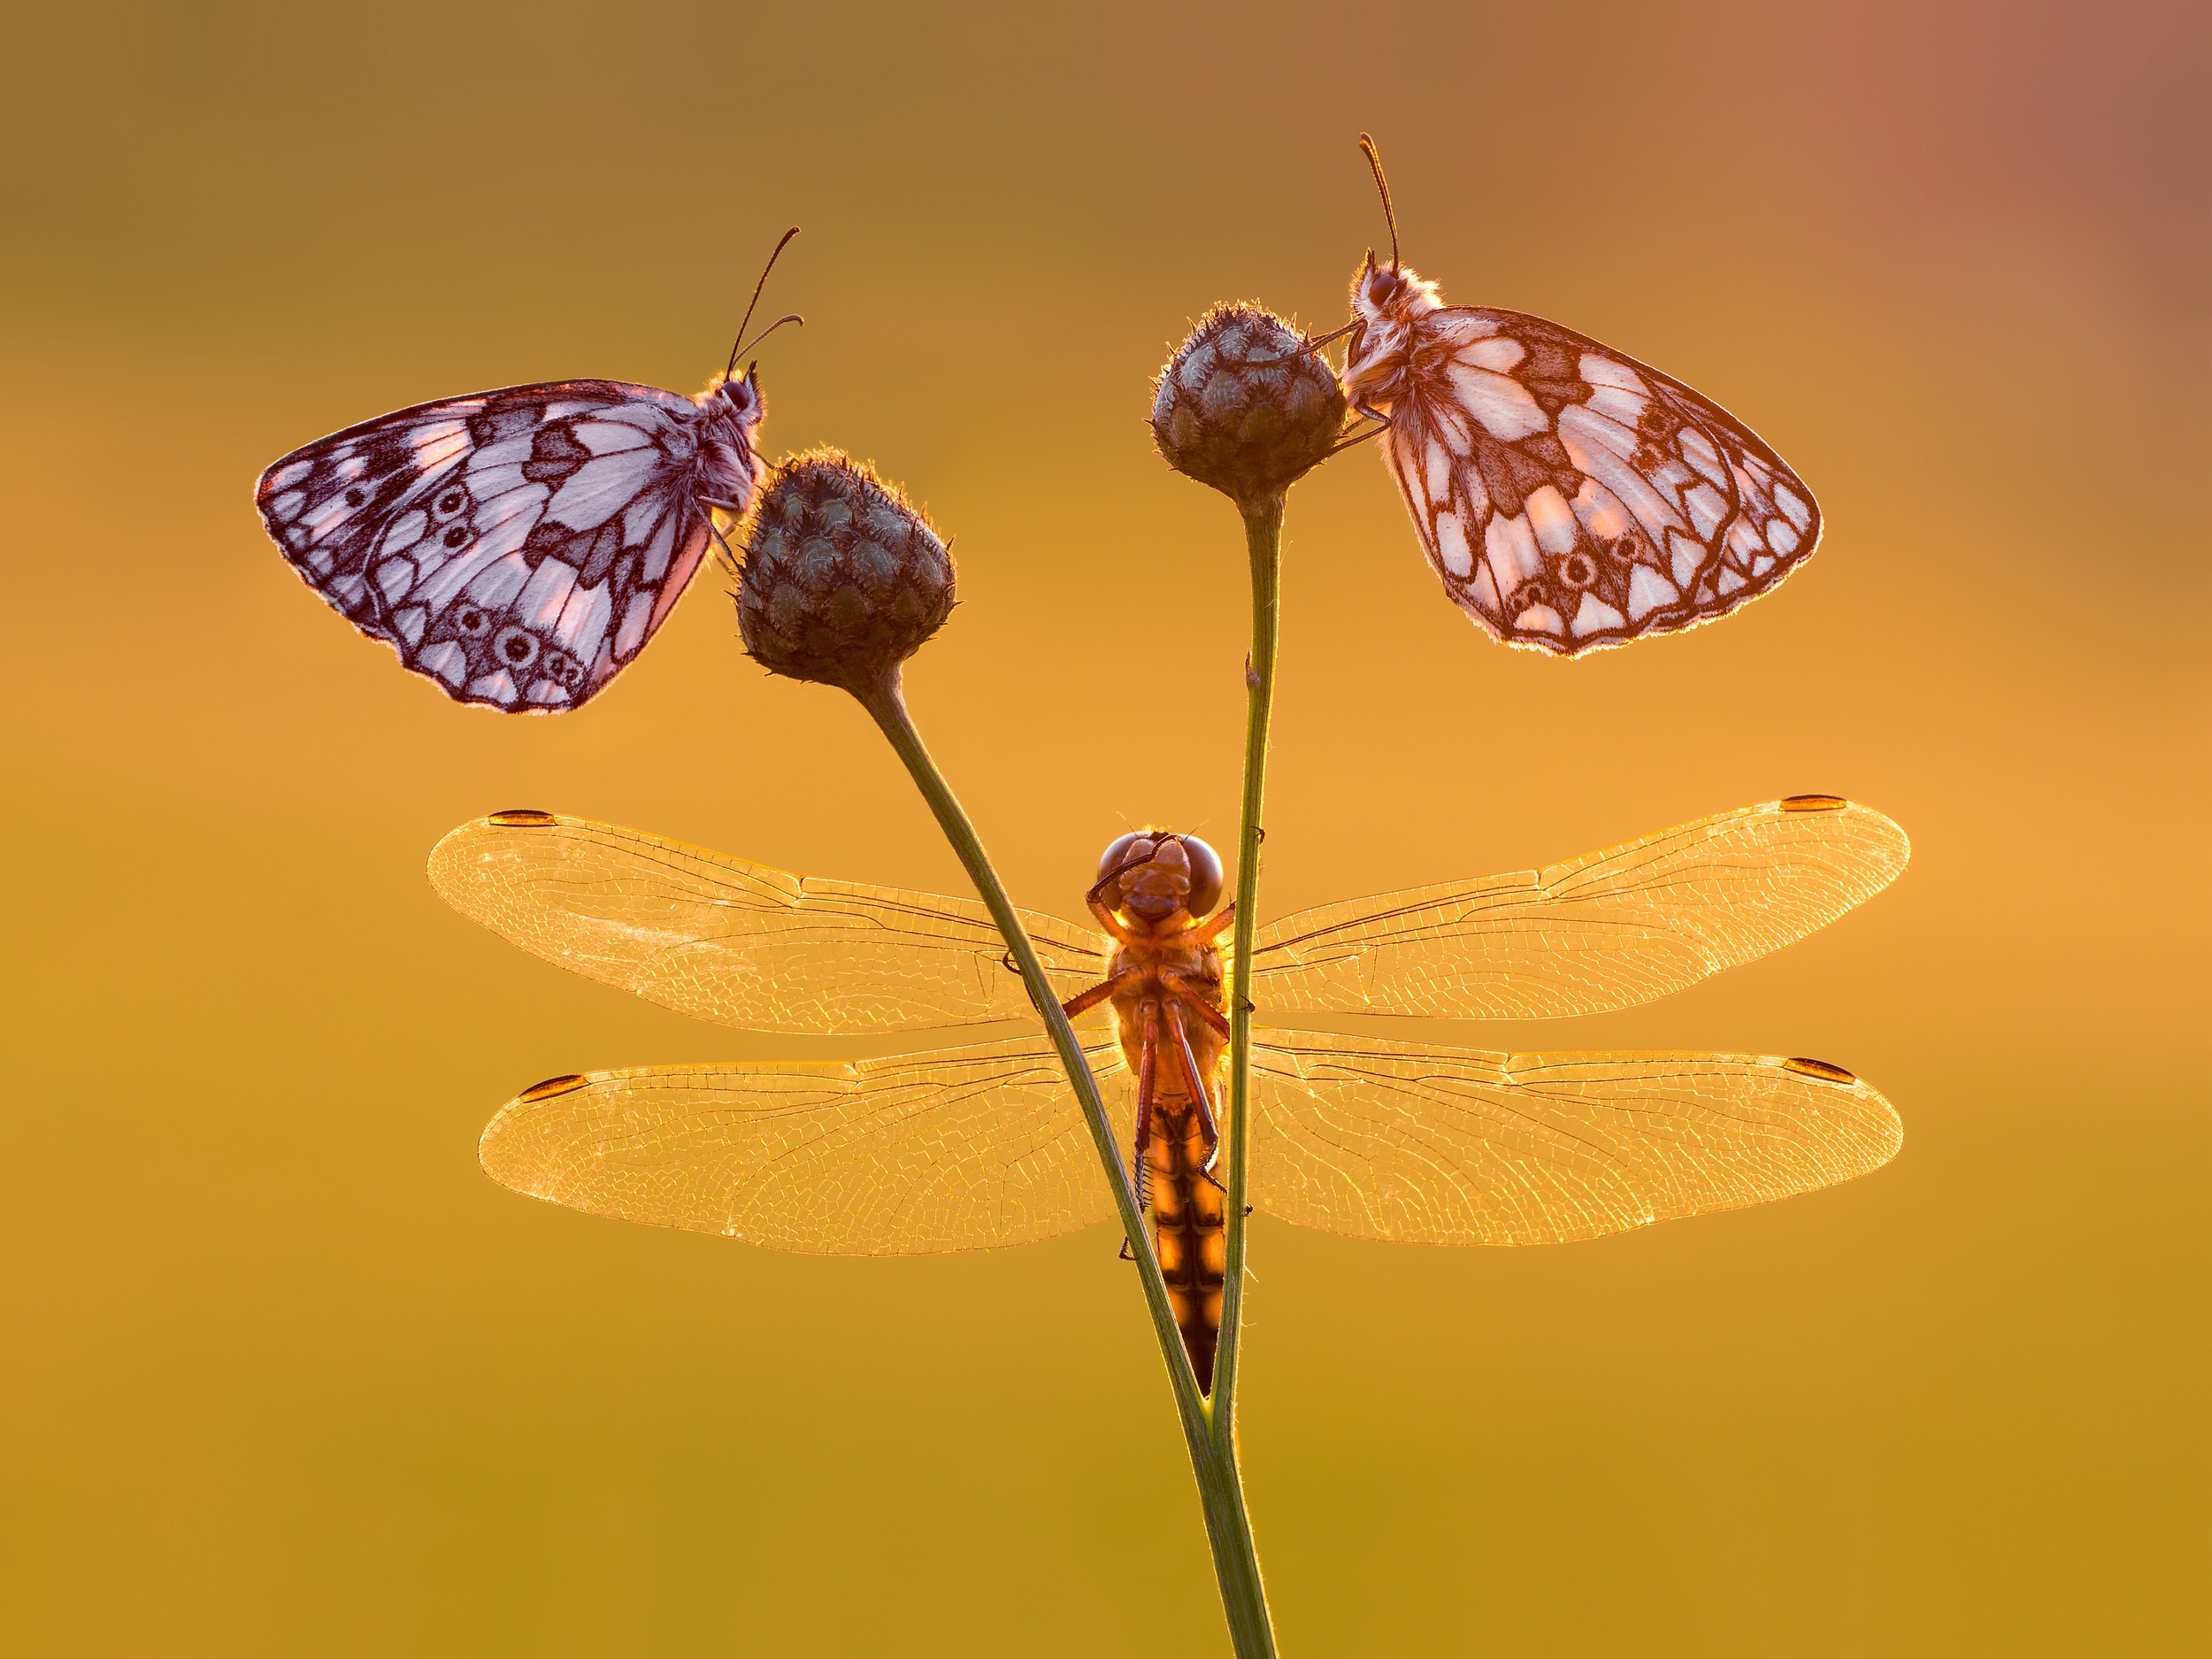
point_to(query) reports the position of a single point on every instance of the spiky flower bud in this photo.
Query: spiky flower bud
(1245, 406)
(842, 579)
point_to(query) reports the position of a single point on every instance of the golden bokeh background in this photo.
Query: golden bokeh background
(285, 1373)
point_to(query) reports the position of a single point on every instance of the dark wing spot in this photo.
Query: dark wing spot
(1552, 454)
(1535, 591)
(554, 455)
(606, 547)
(546, 537)
(1552, 395)
(1551, 360)
(1508, 473)
(553, 1086)
(504, 417)
(390, 489)
(1820, 1069)
(355, 497)
(387, 453)
(1813, 803)
(522, 817)
(516, 647)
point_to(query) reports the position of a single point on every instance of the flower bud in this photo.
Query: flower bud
(1245, 406)
(842, 579)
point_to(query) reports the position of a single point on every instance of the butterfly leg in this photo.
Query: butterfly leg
(1343, 443)
(713, 529)
(1201, 1096)
(1140, 1160)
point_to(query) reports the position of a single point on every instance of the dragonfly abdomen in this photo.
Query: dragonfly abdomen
(1188, 1218)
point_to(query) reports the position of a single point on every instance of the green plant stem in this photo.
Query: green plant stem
(1213, 1457)
(1263, 541)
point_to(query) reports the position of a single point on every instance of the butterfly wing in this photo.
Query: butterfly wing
(720, 938)
(1570, 497)
(1605, 930)
(1454, 1146)
(964, 1148)
(516, 546)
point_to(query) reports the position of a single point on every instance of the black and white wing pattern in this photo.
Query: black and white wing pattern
(517, 547)
(1570, 497)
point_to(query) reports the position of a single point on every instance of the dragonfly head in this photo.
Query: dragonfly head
(1157, 872)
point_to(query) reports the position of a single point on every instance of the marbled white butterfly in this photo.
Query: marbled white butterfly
(1569, 496)
(520, 546)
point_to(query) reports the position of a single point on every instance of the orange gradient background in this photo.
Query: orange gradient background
(285, 1373)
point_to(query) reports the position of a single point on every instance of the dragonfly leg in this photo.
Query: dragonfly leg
(1139, 1164)
(1217, 925)
(1108, 920)
(1201, 1096)
(1147, 1080)
(1090, 999)
(1191, 995)
(1095, 897)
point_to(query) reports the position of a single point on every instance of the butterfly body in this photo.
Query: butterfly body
(517, 547)
(1568, 497)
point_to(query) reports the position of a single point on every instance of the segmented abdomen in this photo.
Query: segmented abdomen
(1186, 1228)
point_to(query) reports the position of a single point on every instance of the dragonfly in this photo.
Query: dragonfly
(984, 1145)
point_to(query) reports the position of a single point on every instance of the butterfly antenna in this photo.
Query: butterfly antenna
(737, 349)
(789, 316)
(1374, 165)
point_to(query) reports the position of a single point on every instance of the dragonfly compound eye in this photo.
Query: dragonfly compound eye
(1133, 849)
(1205, 877)
(1163, 883)
(1124, 850)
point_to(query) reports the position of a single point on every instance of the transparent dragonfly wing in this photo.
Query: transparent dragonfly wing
(740, 943)
(1456, 1146)
(959, 1149)
(1603, 932)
